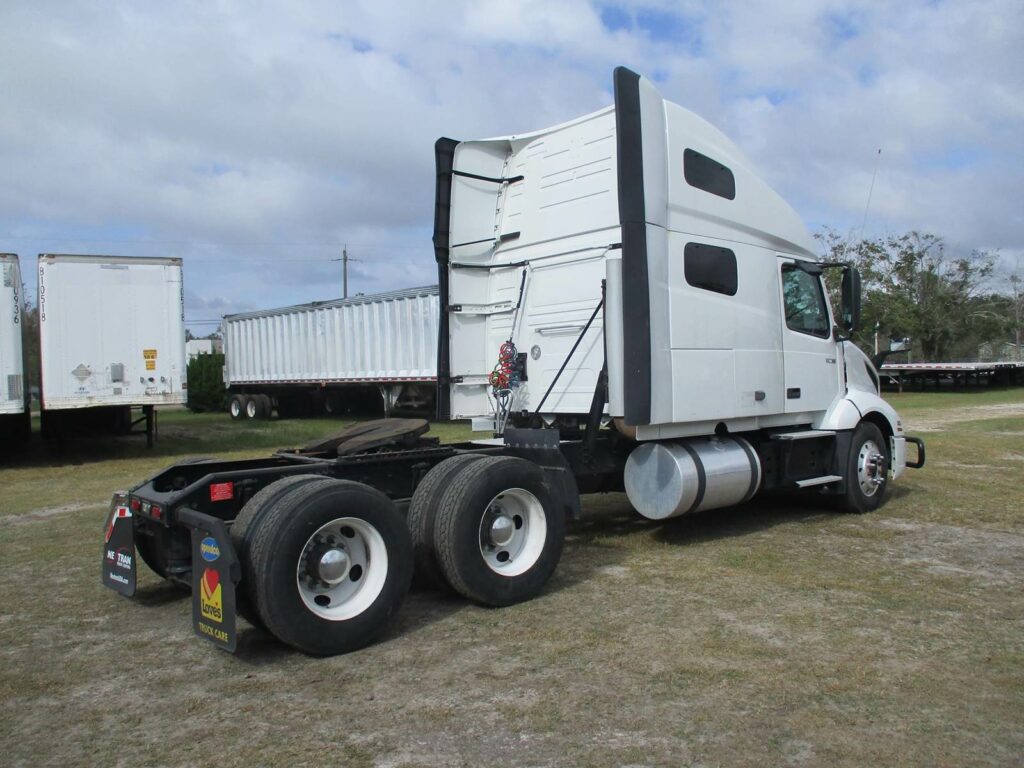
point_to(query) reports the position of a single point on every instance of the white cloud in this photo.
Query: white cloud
(257, 139)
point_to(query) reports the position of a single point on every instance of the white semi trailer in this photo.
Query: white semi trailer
(624, 305)
(312, 358)
(14, 413)
(111, 338)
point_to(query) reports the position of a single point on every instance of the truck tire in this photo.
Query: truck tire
(867, 470)
(499, 532)
(146, 547)
(241, 537)
(423, 512)
(236, 407)
(163, 548)
(254, 407)
(331, 563)
(266, 406)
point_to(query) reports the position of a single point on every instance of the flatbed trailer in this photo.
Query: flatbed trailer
(677, 345)
(921, 376)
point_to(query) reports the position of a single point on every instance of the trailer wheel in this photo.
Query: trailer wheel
(236, 407)
(266, 406)
(499, 532)
(867, 469)
(254, 407)
(331, 563)
(241, 537)
(423, 512)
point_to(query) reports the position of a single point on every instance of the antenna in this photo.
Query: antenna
(871, 189)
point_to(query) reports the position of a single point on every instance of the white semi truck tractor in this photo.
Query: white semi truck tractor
(624, 306)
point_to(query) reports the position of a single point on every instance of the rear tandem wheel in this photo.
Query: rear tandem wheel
(498, 531)
(236, 407)
(423, 512)
(329, 563)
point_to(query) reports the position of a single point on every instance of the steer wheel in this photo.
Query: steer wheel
(867, 471)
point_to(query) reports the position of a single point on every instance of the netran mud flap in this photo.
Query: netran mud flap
(119, 549)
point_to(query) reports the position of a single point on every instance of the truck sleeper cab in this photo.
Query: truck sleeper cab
(624, 306)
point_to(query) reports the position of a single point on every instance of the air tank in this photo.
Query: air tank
(669, 479)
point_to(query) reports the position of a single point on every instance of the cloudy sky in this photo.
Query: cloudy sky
(255, 140)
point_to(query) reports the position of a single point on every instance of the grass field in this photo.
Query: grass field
(775, 633)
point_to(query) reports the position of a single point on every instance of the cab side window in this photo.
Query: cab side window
(804, 302)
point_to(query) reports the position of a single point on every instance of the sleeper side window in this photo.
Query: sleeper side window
(710, 268)
(804, 302)
(705, 173)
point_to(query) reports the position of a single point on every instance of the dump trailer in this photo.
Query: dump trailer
(624, 305)
(14, 411)
(111, 338)
(317, 358)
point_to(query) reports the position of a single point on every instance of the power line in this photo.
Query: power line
(871, 189)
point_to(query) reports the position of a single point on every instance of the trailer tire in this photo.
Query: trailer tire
(423, 512)
(254, 407)
(241, 537)
(868, 461)
(236, 407)
(295, 544)
(266, 406)
(499, 532)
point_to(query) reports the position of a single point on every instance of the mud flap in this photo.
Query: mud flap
(119, 549)
(215, 573)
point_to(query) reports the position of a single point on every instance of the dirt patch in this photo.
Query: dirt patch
(37, 515)
(988, 557)
(934, 420)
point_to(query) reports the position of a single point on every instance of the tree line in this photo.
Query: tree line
(949, 307)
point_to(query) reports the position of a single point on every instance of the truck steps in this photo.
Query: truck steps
(804, 435)
(813, 481)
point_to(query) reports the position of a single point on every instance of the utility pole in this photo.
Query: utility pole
(345, 259)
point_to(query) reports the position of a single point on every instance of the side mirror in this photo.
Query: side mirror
(851, 299)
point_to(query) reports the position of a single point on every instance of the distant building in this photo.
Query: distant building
(997, 351)
(197, 347)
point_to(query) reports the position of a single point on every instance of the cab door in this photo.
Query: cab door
(812, 368)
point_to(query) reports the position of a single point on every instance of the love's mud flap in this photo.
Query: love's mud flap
(215, 572)
(119, 547)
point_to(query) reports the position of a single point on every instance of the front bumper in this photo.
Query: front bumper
(898, 451)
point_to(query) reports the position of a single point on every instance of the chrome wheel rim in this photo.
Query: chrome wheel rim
(250, 409)
(871, 468)
(236, 409)
(513, 530)
(342, 569)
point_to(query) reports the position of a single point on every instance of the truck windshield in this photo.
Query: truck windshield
(804, 302)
